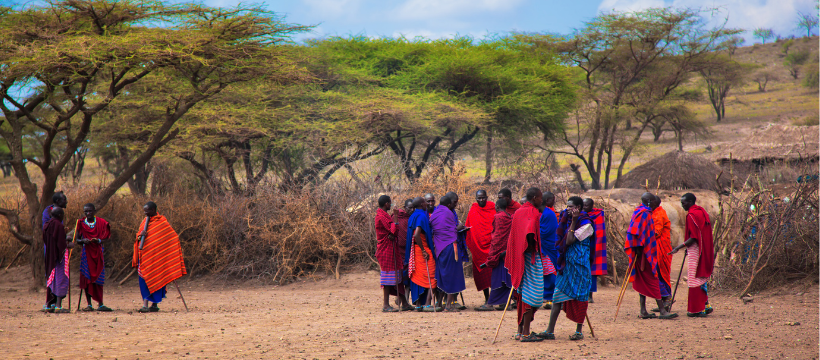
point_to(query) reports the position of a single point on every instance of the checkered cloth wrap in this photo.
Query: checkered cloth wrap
(641, 233)
(597, 246)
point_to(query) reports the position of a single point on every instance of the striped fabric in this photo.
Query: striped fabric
(598, 246)
(532, 283)
(692, 264)
(549, 267)
(160, 260)
(390, 278)
(50, 279)
(575, 280)
(84, 269)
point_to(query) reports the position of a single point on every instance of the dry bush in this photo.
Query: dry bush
(767, 236)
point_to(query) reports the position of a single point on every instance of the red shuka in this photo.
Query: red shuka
(502, 221)
(699, 226)
(401, 218)
(525, 221)
(160, 260)
(386, 249)
(479, 239)
(93, 250)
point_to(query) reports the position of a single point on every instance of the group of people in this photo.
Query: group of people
(527, 255)
(157, 256)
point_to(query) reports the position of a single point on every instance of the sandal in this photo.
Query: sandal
(484, 307)
(62, 310)
(668, 316)
(88, 308)
(144, 309)
(577, 336)
(453, 309)
(709, 309)
(656, 310)
(459, 306)
(47, 308)
(408, 308)
(154, 308)
(548, 305)
(545, 335)
(517, 337)
(103, 308)
(531, 338)
(698, 314)
(648, 316)
(430, 308)
(390, 309)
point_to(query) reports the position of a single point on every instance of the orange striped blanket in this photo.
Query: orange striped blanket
(160, 260)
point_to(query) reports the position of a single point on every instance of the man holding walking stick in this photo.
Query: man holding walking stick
(157, 257)
(419, 257)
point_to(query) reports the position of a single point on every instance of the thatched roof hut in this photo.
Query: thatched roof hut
(677, 170)
(773, 143)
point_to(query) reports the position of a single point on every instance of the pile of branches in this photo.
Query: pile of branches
(765, 237)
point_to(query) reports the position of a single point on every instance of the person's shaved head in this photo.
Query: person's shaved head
(534, 196)
(481, 198)
(453, 196)
(646, 198)
(655, 202)
(57, 212)
(549, 199)
(589, 204)
(431, 201)
(419, 203)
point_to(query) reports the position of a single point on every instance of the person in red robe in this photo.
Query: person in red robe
(401, 216)
(56, 260)
(479, 238)
(513, 205)
(523, 260)
(157, 257)
(642, 249)
(92, 232)
(663, 235)
(387, 254)
(700, 249)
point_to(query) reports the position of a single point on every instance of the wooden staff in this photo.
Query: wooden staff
(180, 296)
(623, 287)
(591, 331)
(73, 237)
(502, 315)
(80, 300)
(429, 282)
(678, 282)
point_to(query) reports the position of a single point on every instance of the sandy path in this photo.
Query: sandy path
(342, 319)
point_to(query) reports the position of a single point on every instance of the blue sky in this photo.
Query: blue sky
(446, 18)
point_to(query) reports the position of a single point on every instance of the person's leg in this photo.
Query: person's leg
(579, 327)
(60, 301)
(643, 306)
(486, 295)
(554, 313)
(88, 297)
(593, 287)
(386, 297)
(525, 326)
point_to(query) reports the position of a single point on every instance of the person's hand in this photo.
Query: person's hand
(460, 227)
(425, 255)
(142, 233)
(673, 252)
(575, 213)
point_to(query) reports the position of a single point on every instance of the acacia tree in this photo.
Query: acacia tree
(721, 74)
(66, 62)
(807, 21)
(628, 65)
(763, 34)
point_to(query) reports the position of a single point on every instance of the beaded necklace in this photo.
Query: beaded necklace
(90, 225)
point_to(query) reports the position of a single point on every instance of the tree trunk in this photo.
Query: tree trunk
(488, 158)
(580, 179)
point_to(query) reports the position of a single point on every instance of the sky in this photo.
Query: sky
(478, 18)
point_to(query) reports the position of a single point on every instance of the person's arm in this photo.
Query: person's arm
(570, 232)
(689, 242)
(417, 241)
(530, 242)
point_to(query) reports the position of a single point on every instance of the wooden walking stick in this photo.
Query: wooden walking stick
(429, 282)
(591, 331)
(623, 287)
(678, 282)
(502, 315)
(73, 237)
(180, 296)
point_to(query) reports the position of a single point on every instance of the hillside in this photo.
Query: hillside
(785, 102)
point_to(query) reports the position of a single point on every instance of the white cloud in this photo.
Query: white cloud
(427, 9)
(779, 15)
(333, 8)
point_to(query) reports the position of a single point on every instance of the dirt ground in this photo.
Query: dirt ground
(329, 318)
